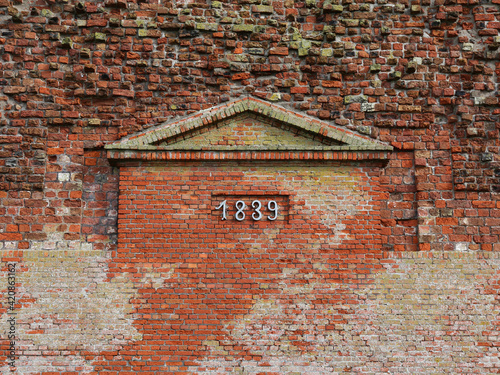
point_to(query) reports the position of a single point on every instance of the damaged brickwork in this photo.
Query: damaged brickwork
(384, 265)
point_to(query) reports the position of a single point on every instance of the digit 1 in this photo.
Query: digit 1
(223, 205)
(273, 207)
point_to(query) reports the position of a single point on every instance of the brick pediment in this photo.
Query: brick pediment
(247, 129)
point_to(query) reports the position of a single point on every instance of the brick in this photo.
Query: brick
(128, 93)
(243, 28)
(299, 90)
(279, 51)
(14, 90)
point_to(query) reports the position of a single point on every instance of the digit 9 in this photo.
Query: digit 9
(273, 207)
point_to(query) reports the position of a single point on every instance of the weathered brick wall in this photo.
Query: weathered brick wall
(420, 76)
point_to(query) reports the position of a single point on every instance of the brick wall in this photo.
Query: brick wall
(420, 76)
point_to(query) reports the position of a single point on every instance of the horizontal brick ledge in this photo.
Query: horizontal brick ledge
(247, 155)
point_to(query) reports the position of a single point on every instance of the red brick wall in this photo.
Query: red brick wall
(420, 76)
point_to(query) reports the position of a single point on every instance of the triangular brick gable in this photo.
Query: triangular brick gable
(247, 128)
(250, 131)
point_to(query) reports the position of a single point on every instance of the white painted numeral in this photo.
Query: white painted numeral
(257, 215)
(240, 214)
(273, 207)
(223, 205)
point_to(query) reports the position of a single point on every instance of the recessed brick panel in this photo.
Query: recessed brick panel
(328, 230)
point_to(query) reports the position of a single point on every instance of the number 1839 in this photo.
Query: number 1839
(256, 207)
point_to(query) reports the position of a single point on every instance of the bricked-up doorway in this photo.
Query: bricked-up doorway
(246, 231)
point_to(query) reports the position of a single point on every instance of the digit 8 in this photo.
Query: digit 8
(240, 214)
